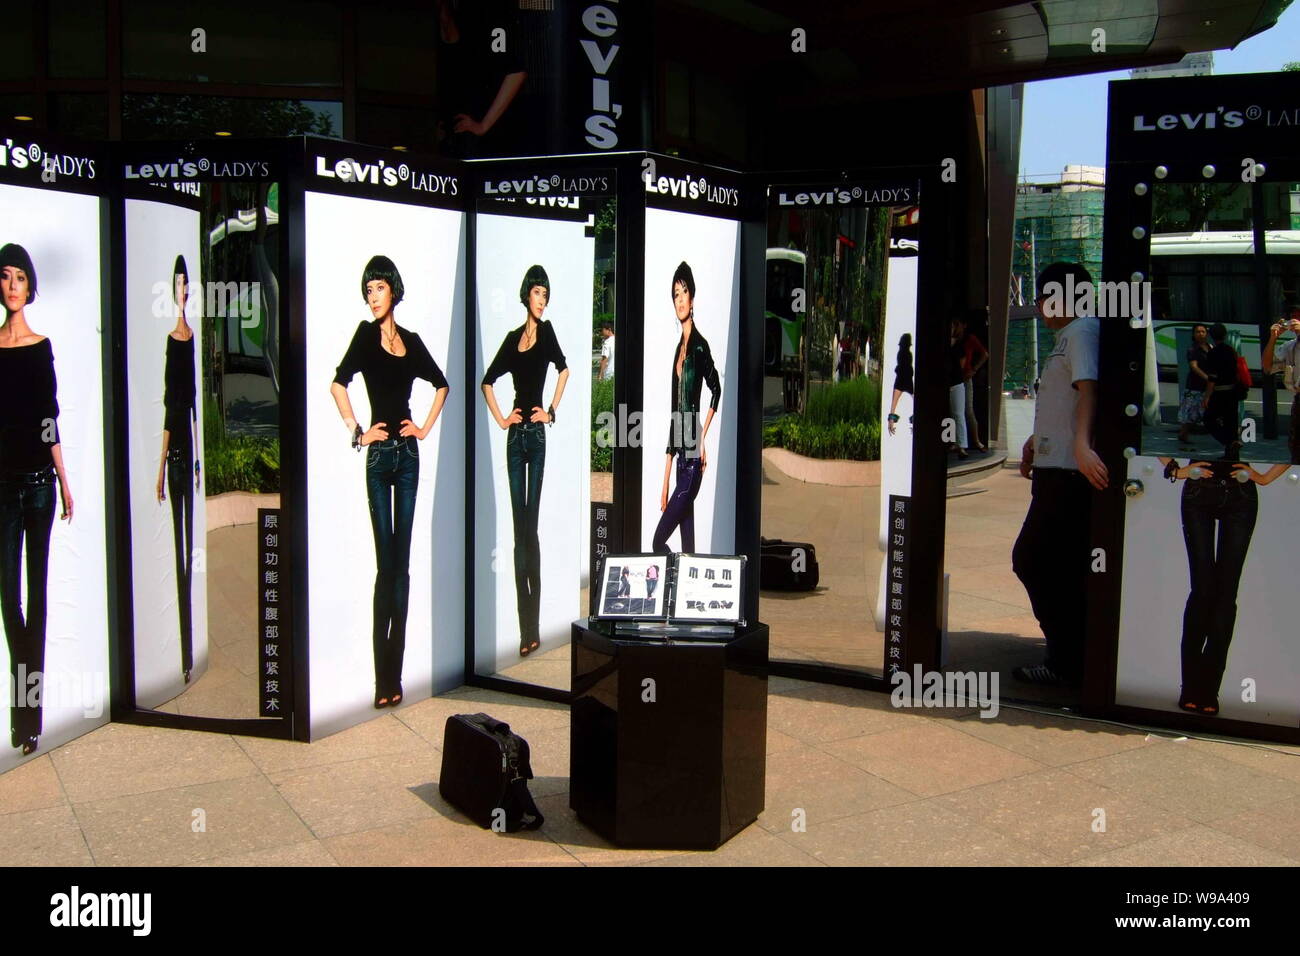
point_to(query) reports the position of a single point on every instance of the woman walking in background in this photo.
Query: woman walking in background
(31, 460)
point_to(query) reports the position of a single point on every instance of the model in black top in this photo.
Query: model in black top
(31, 460)
(390, 359)
(480, 74)
(179, 464)
(1219, 507)
(525, 354)
(693, 367)
(903, 377)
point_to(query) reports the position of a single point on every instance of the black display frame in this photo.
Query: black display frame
(1157, 133)
(275, 157)
(940, 198)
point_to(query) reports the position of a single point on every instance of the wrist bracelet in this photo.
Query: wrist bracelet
(1171, 470)
(356, 437)
(892, 417)
(551, 411)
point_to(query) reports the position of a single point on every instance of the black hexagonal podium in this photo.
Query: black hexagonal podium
(668, 736)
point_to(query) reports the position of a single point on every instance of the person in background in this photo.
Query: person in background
(1289, 356)
(974, 357)
(957, 387)
(1222, 393)
(1190, 411)
(606, 351)
(1051, 555)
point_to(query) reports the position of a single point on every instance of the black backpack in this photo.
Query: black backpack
(485, 769)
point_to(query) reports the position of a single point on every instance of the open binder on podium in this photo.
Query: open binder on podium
(682, 596)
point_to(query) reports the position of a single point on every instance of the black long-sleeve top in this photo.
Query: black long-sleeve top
(179, 393)
(388, 377)
(528, 369)
(903, 371)
(29, 408)
(685, 424)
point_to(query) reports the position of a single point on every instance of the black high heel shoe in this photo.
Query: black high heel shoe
(1211, 709)
(1187, 704)
(29, 746)
(395, 698)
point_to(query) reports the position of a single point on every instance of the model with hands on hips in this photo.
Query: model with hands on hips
(1219, 507)
(178, 460)
(31, 460)
(390, 358)
(526, 353)
(693, 367)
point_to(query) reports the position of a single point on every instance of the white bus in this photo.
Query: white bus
(1208, 277)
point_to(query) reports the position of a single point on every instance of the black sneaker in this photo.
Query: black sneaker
(1037, 674)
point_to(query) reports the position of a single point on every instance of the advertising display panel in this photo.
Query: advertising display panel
(541, 298)
(165, 351)
(691, 340)
(197, 399)
(386, 334)
(1198, 396)
(54, 609)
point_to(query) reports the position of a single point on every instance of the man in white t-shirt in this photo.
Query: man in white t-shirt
(1289, 357)
(1052, 555)
(607, 351)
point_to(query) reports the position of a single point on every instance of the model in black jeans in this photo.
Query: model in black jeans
(390, 359)
(1219, 507)
(526, 353)
(179, 465)
(693, 367)
(31, 459)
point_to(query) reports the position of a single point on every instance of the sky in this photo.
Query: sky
(1047, 145)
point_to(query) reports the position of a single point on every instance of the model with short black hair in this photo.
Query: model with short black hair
(904, 375)
(693, 367)
(31, 460)
(179, 465)
(390, 358)
(525, 353)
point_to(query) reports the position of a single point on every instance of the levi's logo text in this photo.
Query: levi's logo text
(381, 173)
(692, 187)
(24, 155)
(542, 184)
(200, 168)
(845, 196)
(1218, 118)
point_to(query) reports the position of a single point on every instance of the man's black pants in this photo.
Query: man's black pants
(1051, 557)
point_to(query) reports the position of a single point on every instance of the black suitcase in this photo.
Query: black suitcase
(485, 769)
(787, 565)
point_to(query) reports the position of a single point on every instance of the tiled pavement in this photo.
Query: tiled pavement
(875, 785)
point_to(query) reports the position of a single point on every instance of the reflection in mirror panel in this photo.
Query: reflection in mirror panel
(839, 380)
(1215, 313)
(203, 443)
(545, 288)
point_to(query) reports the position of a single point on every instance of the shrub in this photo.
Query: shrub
(602, 400)
(242, 463)
(856, 401)
(856, 441)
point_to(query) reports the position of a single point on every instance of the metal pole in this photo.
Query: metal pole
(1033, 289)
(1264, 315)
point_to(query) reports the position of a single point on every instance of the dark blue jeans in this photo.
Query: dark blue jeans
(180, 486)
(392, 478)
(1215, 571)
(680, 512)
(525, 463)
(26, 516)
